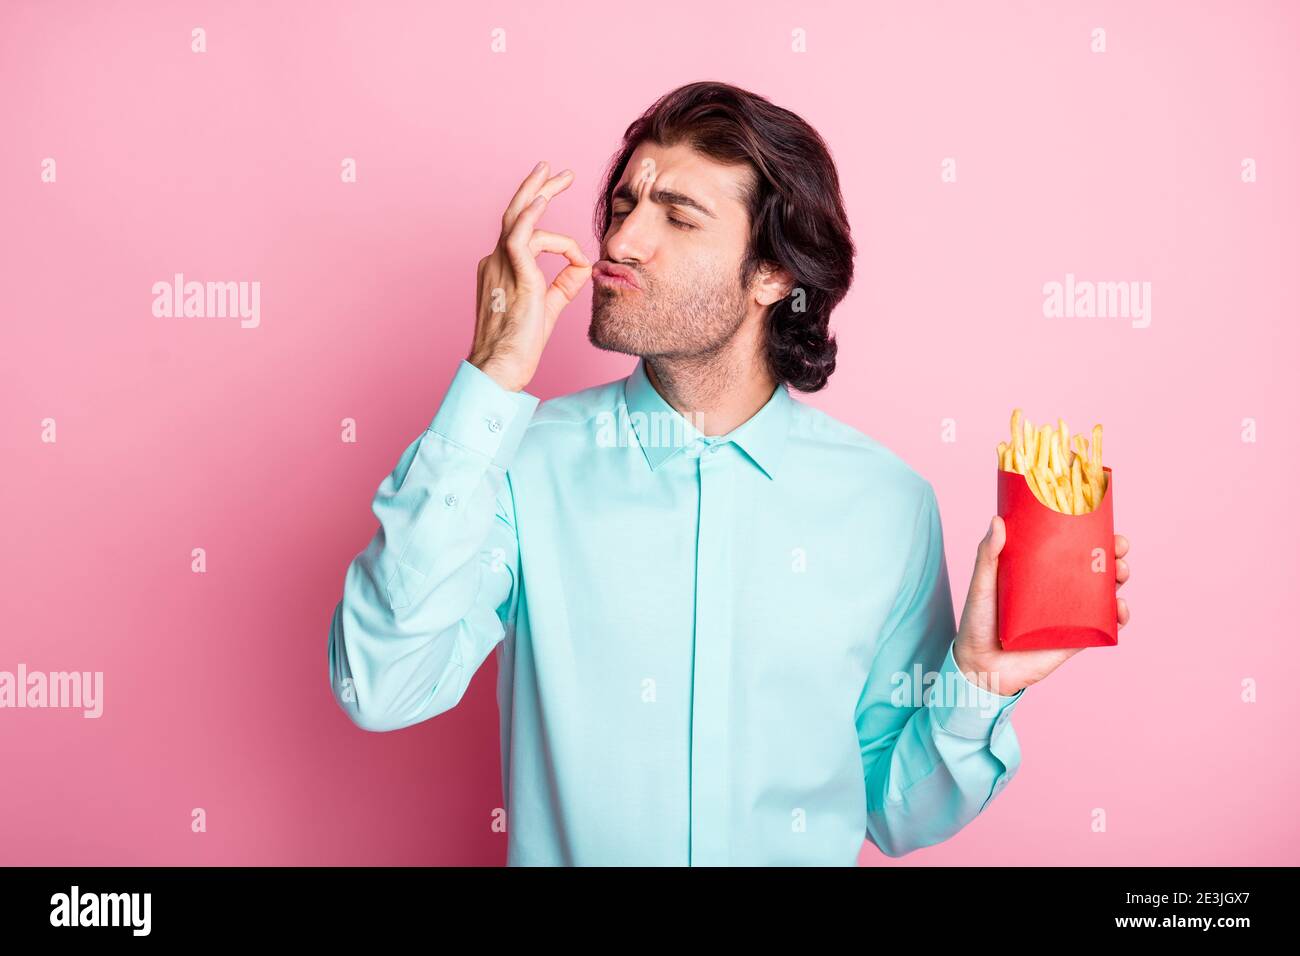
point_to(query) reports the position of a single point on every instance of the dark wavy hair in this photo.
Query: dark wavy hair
(796, 212)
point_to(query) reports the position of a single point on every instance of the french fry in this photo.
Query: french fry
(1032, 482)
(1063, 496)
(1047, 486)
(1093, 472)
(1046, 489)
(1062, 468)
(1076, 486)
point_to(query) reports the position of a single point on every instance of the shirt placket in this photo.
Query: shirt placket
(711, 659)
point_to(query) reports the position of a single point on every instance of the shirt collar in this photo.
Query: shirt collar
(662, 431)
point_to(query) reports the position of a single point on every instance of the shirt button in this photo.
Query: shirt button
(494, 425)
(713, 449)
(450, 501)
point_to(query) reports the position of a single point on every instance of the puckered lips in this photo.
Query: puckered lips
(614, 276)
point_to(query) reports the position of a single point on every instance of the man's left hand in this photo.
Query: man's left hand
(977, 652)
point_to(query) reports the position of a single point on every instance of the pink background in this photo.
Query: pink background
(183, 433)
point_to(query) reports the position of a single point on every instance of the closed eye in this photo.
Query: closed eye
(679, 223)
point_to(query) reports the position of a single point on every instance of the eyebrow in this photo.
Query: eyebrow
(664, 197)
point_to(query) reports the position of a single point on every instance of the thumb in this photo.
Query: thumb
(979, 618)
(984, 579)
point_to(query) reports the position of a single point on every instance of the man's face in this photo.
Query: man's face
(685, 257)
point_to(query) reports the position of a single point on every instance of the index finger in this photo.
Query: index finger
(1121, 546)
(535, 184)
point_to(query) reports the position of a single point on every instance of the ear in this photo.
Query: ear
(771, 284)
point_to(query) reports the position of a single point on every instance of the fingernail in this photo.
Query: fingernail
(538, 167)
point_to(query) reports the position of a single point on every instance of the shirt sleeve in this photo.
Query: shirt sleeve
(936, 748)
(434, 591)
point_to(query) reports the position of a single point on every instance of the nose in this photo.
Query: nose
(632, 237)
(628, 238)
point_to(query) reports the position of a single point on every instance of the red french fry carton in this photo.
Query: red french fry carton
(1056, 572)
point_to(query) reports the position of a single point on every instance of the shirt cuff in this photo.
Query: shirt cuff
(480, 414)
(964, 708)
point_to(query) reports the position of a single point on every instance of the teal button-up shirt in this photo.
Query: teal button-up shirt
(711, 650)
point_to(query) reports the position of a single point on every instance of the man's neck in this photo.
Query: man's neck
(715, 393)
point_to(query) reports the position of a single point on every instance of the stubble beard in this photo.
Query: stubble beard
(654, 324)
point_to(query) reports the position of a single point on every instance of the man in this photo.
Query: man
(713, 606)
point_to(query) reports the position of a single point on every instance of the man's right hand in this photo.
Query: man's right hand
(516, 309)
